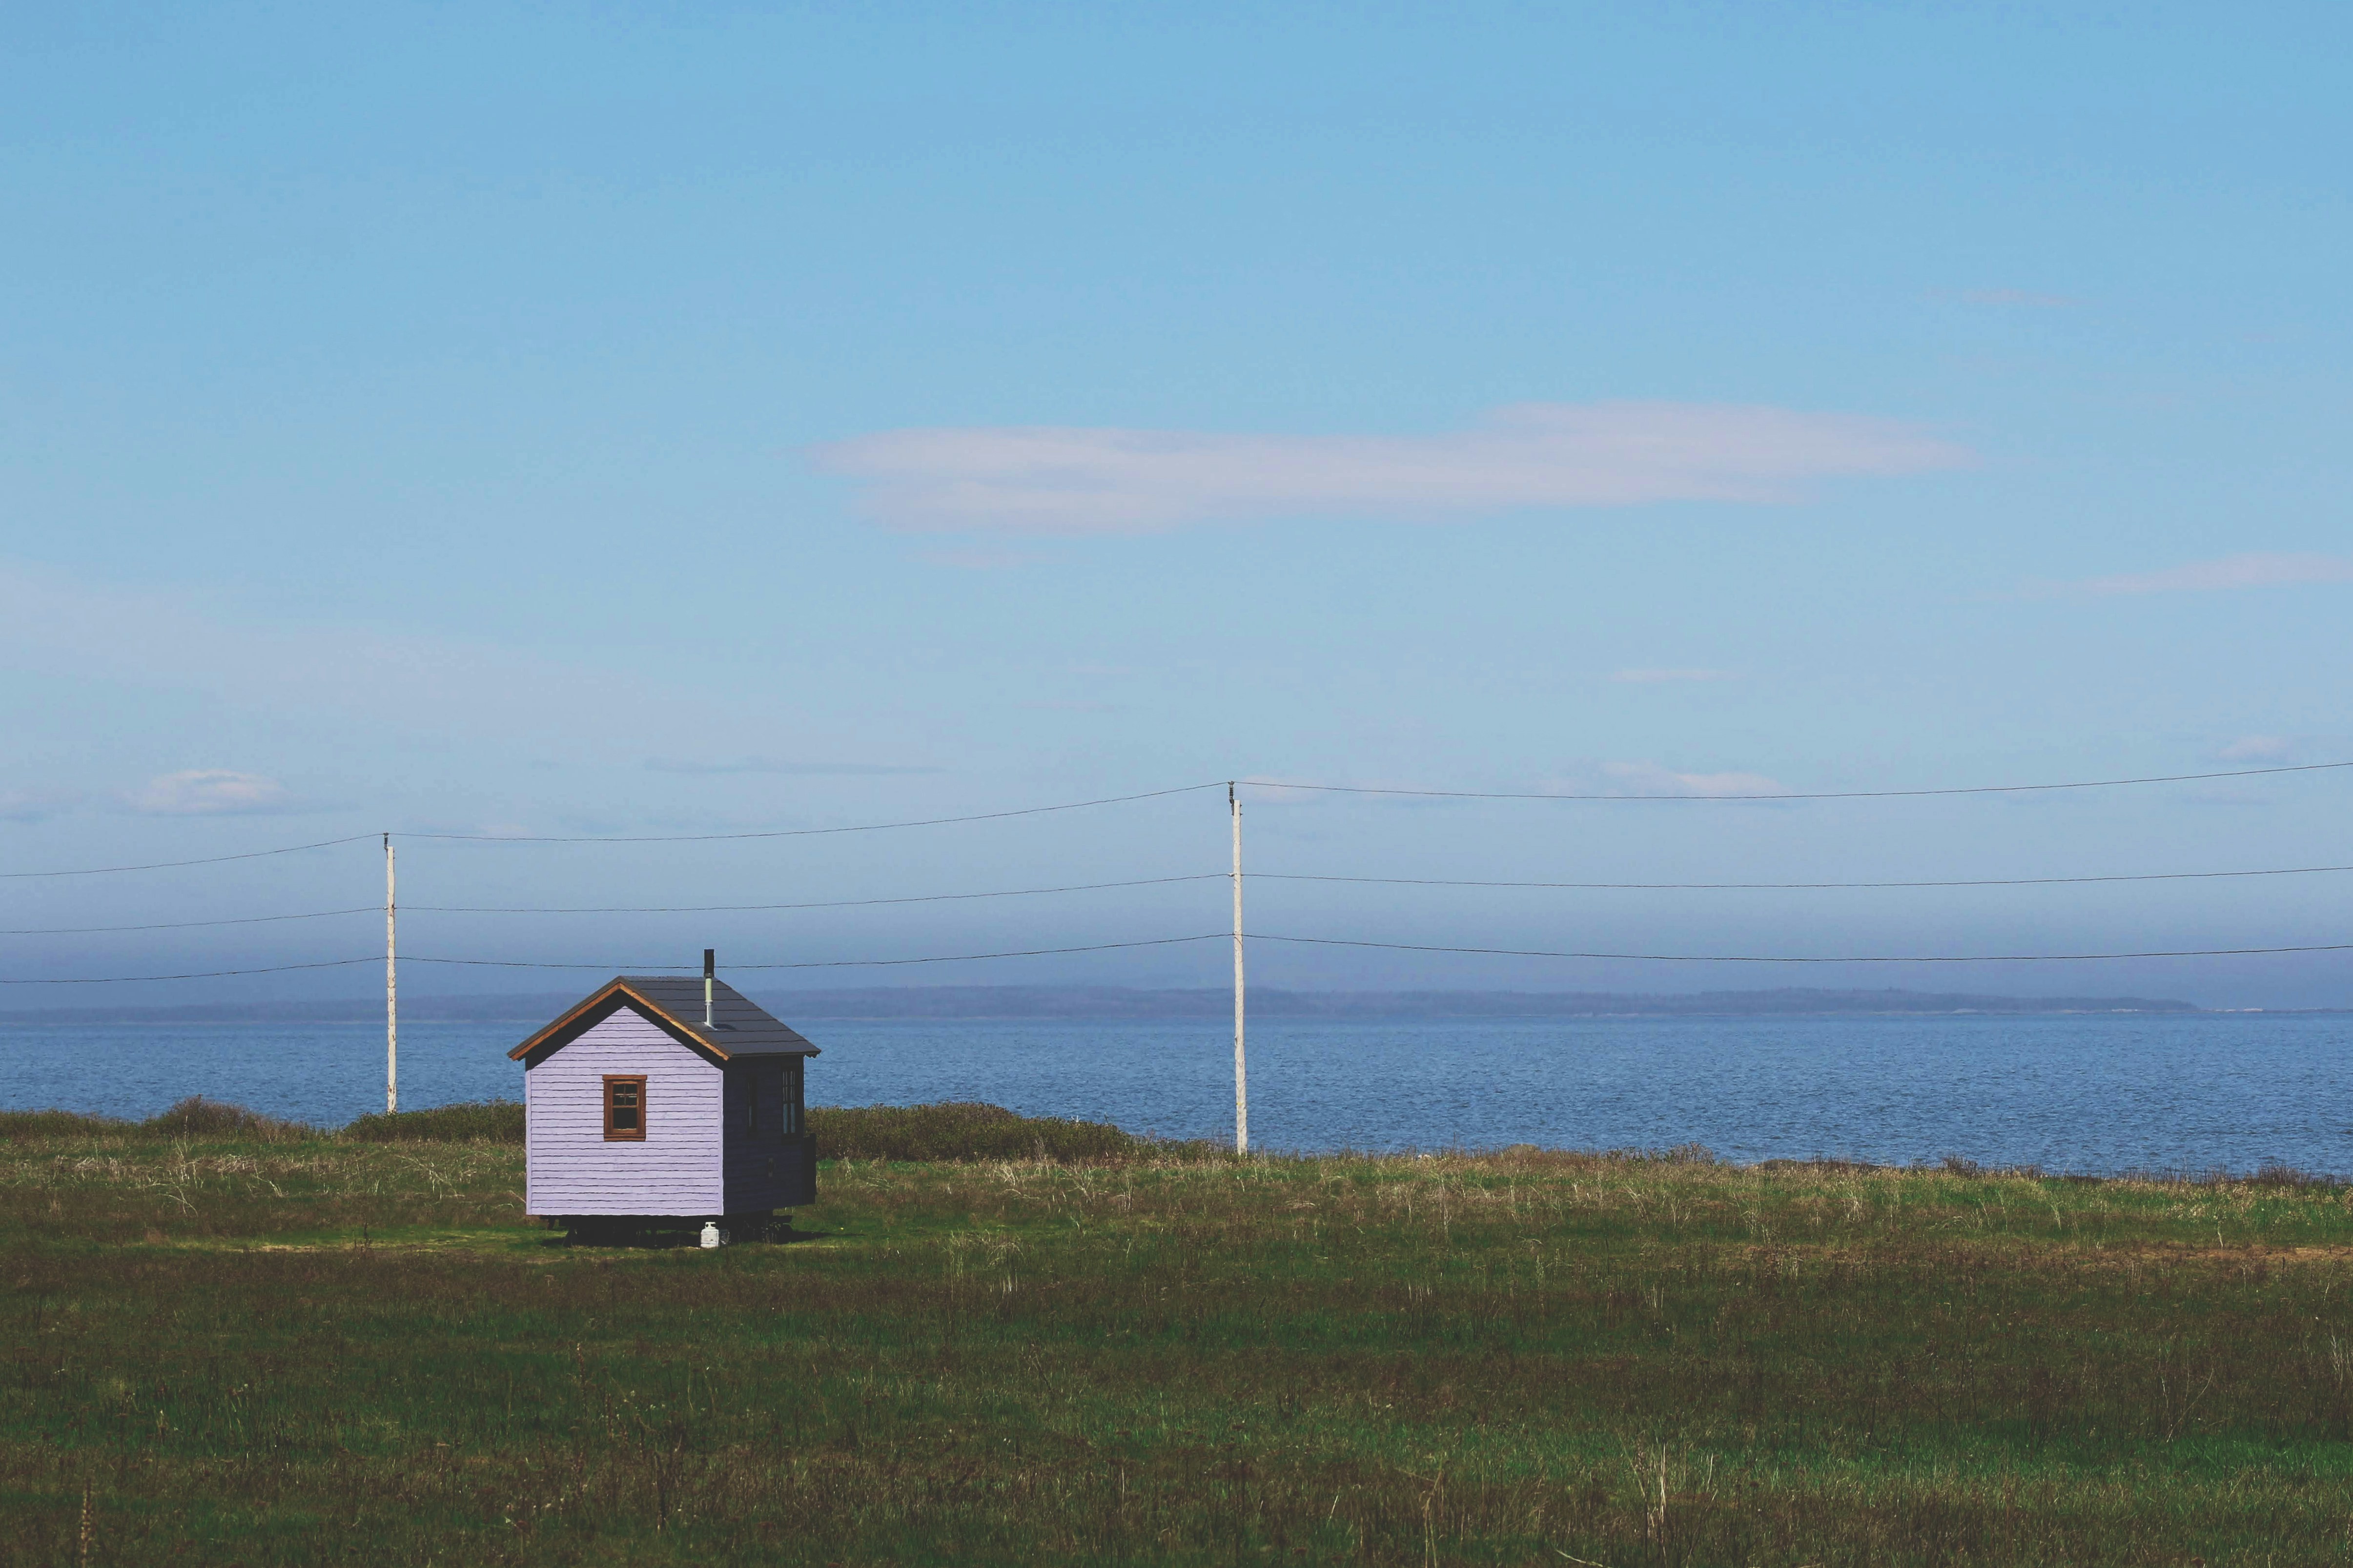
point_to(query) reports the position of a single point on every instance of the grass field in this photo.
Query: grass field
(258, 1345)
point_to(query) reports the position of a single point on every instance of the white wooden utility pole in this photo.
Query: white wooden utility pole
(391, 994)
(1241, 1074)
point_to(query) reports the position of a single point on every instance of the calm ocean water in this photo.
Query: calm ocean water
(2093, 1094)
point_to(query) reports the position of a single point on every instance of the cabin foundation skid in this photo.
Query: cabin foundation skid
(668, 1230)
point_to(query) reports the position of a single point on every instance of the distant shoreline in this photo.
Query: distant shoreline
(1116, 1003)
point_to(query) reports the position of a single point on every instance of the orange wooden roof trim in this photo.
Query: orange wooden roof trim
(677, 1030)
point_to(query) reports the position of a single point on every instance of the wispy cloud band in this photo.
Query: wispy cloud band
(1665, 677)
(208, 792)
(35, 804)
(2250, 571)
(2028, 298)
(773, 765)
(1056, 480)
(1649, 778)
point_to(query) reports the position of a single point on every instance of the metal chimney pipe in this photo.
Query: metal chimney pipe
(710, 977)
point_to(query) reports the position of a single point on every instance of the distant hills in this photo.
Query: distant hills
(1110, 1002)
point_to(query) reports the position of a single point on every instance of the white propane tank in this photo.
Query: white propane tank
(710, 1235)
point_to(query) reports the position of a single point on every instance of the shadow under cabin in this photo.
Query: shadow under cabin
(663, 1100)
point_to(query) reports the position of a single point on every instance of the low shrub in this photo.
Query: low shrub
(475, 1122)
(955, 1130)
(962, 1129)
(2275, 1174)
(197, 1117)
(59, 1124)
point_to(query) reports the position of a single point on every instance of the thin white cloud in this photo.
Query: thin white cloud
(1649, 778)
(773, 765)
(1663, 677)
(2256, 749)
(1622, 779)
(35, 804)
(1055, 480)
(59, 627)
(980, 560)
(2250, 571)
(208, 792)
(2014, 297)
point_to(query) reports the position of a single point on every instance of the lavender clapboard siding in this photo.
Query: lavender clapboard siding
(570, 1168)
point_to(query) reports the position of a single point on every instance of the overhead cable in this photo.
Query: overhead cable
(827, 964)
(207, 975)
(1796, 886)
(1796, 795)
(185, 925)
(823, 904)
(1254, 936)
(1744, 958)
(612, 909)
(207, 860)
(801, 832)
(1182, 789)
(1163, 881)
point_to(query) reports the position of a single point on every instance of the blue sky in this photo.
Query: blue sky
(600, 421)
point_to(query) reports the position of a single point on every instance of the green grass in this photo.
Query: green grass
(961, 1130)
(258, 1349)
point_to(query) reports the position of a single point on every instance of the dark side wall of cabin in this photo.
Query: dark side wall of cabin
(769, 1159)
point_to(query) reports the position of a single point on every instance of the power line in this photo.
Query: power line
(824, 904)
(1744, 958)
(827, 964)
(185, 925)
(630, 968)
(1254, 936)
(1798, 795)
(1164, 881)
(629, 838)
(803, 832)
(207, 975)
(208, 860)
(614, 908)
(1160, 793)
(1800, 887)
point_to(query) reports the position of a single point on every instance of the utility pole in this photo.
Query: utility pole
(391, 994)
(1241, 1074)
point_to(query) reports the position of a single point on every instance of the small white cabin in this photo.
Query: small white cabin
(666, 1098)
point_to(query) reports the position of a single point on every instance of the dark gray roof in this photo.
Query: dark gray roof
(741, 1027)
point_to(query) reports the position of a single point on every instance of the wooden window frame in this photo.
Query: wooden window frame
(624, 1134)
